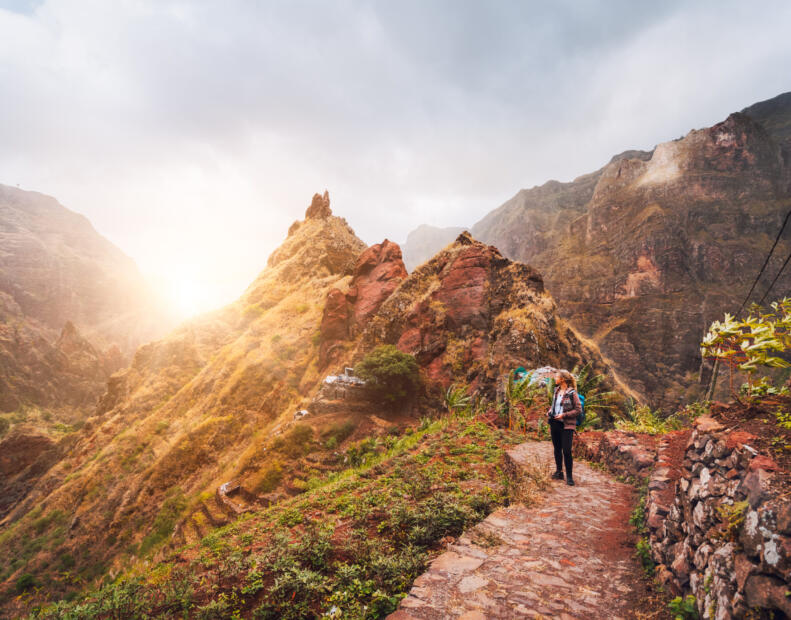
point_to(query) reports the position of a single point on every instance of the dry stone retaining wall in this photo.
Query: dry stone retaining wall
(719, 524)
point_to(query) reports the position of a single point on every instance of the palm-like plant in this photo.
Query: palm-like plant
(457, 399)
(520, 396)
(597, 401)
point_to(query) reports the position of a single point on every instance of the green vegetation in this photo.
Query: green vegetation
(457, 399)
(638, 520)
(268, 477)
(731, 519)
(684, 608)
(5, 424)
(597, 401)
(640, 419)
(337, 433)
(350, 547)
(757, 342)
(390, 374)
(165, 520)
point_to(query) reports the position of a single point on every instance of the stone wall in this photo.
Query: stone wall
(718, 516)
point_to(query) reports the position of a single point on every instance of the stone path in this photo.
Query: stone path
(568, 557)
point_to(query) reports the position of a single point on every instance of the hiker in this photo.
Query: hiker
(566, 406)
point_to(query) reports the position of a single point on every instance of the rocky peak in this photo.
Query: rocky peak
(319, 207)
(321, 244)
(470, 314)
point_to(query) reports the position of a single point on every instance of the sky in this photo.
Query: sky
(192, 134)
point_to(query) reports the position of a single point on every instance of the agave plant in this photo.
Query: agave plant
(457, 399)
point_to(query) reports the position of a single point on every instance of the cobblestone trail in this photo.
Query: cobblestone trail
(568, 557)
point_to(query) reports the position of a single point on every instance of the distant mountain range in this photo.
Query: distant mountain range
(642, 254)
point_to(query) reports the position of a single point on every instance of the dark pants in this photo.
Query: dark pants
(561, 441)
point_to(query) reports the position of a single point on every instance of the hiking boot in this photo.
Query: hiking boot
(558, 475)
(570, 481)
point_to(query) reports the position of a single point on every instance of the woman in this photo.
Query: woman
(563, 414)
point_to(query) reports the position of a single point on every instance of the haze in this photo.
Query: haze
(193, 134)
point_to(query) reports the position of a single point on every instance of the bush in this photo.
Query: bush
(390, 374)
(26, 582)
(4, 426)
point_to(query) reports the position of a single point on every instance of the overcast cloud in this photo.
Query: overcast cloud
(193, 133)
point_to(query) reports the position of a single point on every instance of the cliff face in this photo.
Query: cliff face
(643, 254)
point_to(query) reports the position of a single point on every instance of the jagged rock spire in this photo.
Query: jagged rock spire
(319, 207)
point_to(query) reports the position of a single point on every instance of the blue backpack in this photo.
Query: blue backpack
(581, 416)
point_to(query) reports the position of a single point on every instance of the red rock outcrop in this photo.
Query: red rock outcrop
(378, 272)
(470, 314)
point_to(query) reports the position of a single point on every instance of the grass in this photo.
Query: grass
(349, 547)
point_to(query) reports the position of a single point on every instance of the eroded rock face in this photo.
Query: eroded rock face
(377, 273)
(643, 254)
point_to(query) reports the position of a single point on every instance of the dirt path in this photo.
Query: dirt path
(569, 557)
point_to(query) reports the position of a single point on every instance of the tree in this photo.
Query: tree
(389, 374)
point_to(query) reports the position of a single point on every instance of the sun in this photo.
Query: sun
(186, 295)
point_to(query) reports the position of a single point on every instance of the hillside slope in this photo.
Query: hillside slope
(203, 422)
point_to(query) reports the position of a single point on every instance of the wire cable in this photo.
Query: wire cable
(766, 262)
(761, 303)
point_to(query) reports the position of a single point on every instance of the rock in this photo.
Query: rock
(319, 208)
(784, 518)
(378, 272)
(742, 569)
(762, 462)
(707, 424)
(767, 592)
(755, 486)
(334, 325)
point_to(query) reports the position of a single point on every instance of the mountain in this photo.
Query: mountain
(230, 413)
(774, 115)
(642, 254)
(73, 307)
(57, 268)
(425, 241)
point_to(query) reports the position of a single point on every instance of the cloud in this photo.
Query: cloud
(193, 133)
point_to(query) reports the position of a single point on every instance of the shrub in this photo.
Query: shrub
(26, 582)
(4, 426)
(641, 419)
(390, 375)
(336, 433)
